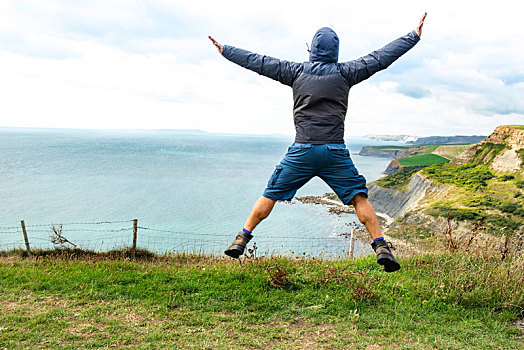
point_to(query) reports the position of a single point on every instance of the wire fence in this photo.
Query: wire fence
(110, 235)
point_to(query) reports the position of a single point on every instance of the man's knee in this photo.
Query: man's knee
(358, 199)
(263, 207)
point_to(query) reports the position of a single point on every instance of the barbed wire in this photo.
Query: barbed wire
(174, 241)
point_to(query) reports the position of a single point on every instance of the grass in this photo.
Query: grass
(517, 126)
(423, 160)
(451, 301)
(450, 151)
(476, 192)
(429, 148)
(397, 181)
(472, 176)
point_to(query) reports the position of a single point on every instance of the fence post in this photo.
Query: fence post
(135, 229)
(352, 243)
(28, 249)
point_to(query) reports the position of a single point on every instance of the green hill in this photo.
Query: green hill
(472, 191)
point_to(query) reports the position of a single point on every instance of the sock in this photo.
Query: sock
(248, 233)
(379, 239)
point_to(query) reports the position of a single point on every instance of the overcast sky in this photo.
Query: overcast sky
(149, 65)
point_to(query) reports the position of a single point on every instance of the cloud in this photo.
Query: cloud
(148, 64)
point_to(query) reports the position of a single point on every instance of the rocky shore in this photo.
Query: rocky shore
(336, 207)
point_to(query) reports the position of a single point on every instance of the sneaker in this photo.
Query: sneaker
(239, 244)
(385, 257)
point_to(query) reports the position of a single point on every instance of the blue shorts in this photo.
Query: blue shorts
(303, 161)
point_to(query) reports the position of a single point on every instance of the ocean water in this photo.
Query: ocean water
(189, 192)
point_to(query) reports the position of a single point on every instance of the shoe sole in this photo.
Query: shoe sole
(389, 263)
(234, 251)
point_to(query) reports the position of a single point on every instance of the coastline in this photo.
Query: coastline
(335, 206)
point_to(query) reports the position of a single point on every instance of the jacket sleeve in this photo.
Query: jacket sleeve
(282, 71)
(364, 67)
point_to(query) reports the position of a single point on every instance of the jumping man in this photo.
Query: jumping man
(320, 94)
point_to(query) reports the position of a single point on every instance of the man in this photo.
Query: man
(320, 93)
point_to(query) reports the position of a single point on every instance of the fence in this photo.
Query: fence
(109, 235)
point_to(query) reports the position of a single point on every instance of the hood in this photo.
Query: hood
(324, 46)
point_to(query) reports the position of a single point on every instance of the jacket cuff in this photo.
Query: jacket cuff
(414, 35)
(226, 50)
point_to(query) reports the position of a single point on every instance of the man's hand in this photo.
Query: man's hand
(220, 47)
(419, 28)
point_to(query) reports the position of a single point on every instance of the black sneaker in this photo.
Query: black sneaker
(384, 256)
(236, 248)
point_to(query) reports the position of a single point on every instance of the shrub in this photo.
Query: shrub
(396, 180)
(483, 201)
(458, 214)
(509, 207)
(473, 176)
(488, 151)
(502, 224)
(520, 153)
(506, 177)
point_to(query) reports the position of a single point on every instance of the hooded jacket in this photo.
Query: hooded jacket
(321, 86)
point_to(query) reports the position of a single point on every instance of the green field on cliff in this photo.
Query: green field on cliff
(181, 301)
(422, 160)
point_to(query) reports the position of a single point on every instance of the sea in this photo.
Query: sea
(190, 191)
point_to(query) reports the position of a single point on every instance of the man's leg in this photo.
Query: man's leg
(261, 210)
(366, 215)
(291, 174)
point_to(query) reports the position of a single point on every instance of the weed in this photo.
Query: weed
(278, 275)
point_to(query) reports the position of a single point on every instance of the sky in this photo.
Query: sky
(124, 64)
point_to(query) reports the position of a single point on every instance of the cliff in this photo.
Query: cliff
(448, 140)
(396, 203)
(477, 198)
(502, 150)
(511, 135)
(384, 152)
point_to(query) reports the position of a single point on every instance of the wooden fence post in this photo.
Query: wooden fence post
(352, 243)
(135, 229)
(28, 249)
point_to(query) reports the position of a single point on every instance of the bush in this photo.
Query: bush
(473, 176)
(458, 214)
(506, 177)
(509, 207)
(502, 224)
(488, 151)
(520, 153)
(483, 201)
(396, 180)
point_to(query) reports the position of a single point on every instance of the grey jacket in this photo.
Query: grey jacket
(321, 86)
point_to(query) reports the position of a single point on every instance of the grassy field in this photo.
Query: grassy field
(517, 126)
(450, 301)
(450, 151)
(423, 160)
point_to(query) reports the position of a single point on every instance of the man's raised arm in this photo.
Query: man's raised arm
(364, 67)
(282, 71)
